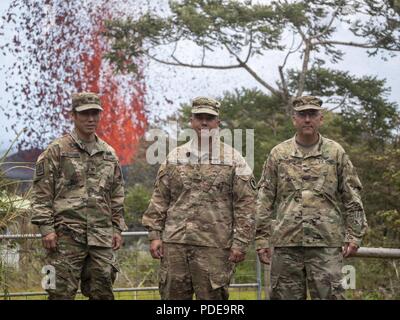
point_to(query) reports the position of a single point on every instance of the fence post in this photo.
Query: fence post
(267, 281)
(258, 273)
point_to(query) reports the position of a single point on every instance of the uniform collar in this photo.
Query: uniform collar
(298, 153)
(194, 149)
(98, 147)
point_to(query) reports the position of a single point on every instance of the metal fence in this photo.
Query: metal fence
(241, 287)
(245, 284)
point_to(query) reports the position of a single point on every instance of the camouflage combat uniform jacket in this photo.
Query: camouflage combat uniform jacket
(79, 192)
(305, 194)
(202, 204)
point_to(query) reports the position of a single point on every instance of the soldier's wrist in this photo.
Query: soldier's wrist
(354, 244)
(239, 245)
(119, 223)
(262, 244)
(353, 240)
(45, 230)
(264, 249)
(117, 230)
(154, 235)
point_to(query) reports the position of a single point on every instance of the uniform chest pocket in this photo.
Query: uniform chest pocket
(100, 172)
(184, 176)
(289, 176)
(220, 178)
(71, 169)
(201, 176)
(327, 181)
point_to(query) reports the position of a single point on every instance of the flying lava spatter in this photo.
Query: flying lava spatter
(58, 48)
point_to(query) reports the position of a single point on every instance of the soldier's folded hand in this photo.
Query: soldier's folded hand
(236, 255)
(117, 241)
(349, 249)
(265, 255)
(50, 241)
(156, 249)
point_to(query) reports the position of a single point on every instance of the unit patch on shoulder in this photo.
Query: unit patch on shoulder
(40, 168)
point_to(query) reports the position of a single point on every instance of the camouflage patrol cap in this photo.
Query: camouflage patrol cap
(85, 100)
(205, 105)
(307, 102)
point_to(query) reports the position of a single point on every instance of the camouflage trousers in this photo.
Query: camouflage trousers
(74, 261)
(296, 269)
(187, 269)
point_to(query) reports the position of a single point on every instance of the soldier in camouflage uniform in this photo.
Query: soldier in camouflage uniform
(201, 216)
(305, 182)
(77, 203)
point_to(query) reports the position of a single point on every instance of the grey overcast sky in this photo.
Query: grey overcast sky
(168, 87)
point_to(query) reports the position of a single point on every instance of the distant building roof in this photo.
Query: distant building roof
(19, 166)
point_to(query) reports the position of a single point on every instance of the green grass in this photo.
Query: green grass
(235, 294)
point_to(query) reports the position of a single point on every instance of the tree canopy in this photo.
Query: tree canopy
(311, 31)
